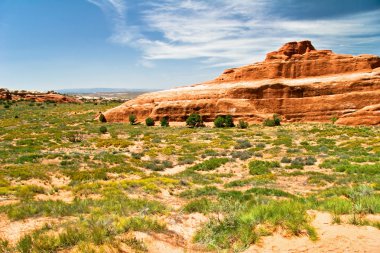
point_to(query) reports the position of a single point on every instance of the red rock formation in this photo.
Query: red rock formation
(300, 59)
(298, 82)
(36, 96)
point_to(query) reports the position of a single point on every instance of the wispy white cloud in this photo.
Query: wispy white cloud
(227, 32)
(116, 11)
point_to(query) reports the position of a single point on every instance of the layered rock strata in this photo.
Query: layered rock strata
(298, 82)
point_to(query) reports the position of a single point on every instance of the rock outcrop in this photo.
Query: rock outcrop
(298, 82)
(36, 96)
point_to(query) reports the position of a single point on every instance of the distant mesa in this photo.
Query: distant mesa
(298, 82)
(51, 96)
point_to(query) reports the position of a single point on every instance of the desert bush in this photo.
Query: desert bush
(5, 246)
(242, 155)
(137, 155)
(102, 118)
(157, 165)
(219, 122)
(210, 164)
(26, 171)
(202, 205)
(75, 137)
(255, 180)
(299, 162)
(275, 121)
(194, 120)
(164, 122)
(243, 144)
(188, 159)
(25, 244)
(149, 122)
(259, 167)
(270, 192)
(103, 129)
(224, 121)
(238, 230)
(286, 160)
(117, 143)
(132, 119)
(242, 124)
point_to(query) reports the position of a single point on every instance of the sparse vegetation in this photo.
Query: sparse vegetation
(244, 184)
(242, 124)
(275, 121)
(194, 120)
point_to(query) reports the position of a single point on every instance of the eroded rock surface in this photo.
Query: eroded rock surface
(36, 96)
(298, 82)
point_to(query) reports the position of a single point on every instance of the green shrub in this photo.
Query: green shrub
(276, 121)
(202, 205)
(242, 155)
(149, 122)
(25, 244)
(258, 167)
(210, 164)
(132, 119)
(194, 120)
(103, 129)
(219, 122)
(242, 124)
(102, 118)
(75, 137)
(243, 144)
(224, 121)
(286, 160)
(164, 122)
(240, 229)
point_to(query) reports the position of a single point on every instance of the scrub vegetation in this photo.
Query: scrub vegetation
(87, 185)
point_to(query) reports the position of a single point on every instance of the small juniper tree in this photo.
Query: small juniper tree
(103, 129)
(194, 120)
(276, 121)
(164, 122)
(102, 118)
(219, 122)
(224, 121)
(242, 124)
(149, 122)
(132, 119)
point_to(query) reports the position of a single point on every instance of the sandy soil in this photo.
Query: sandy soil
(332, 238)
(14, 230)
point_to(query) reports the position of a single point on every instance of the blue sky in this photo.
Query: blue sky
(154, 44)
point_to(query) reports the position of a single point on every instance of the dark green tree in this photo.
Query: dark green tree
(194, 120)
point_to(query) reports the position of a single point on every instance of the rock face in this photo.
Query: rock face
(36, 96)
(298, 82)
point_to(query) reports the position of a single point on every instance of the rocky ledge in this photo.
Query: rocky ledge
(50, 96)
(298, 82)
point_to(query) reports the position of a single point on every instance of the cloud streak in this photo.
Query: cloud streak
(228, 32)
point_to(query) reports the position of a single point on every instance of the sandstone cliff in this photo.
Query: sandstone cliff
(298, 82)
(36, 96)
